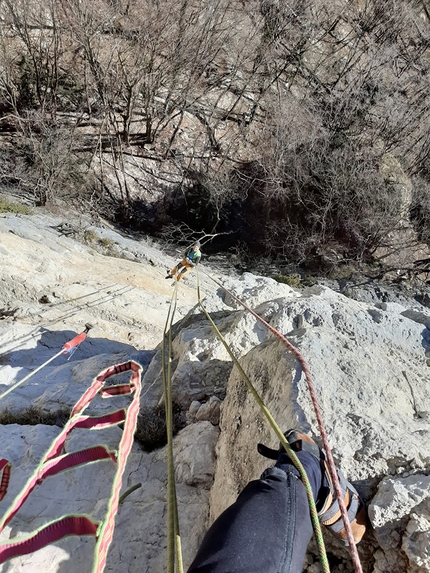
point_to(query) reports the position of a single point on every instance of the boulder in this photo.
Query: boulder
(400, 515)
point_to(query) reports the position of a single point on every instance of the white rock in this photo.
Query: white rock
(397, 497)
(210, 410)
(368, 365)
(400, 514)
(416, 540)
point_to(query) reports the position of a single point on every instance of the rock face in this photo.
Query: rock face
(368, 368)
(368, 359)
(402, 502)
(140, 526)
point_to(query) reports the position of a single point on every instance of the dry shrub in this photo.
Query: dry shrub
(151, 426)
(33, 416)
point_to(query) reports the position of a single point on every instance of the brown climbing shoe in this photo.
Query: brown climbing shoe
(327, 505)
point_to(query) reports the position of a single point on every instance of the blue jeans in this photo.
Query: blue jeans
(268, 528)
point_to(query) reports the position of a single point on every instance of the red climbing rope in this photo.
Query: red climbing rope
(349, 535)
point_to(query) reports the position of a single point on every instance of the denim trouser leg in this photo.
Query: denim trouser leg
(267, 529)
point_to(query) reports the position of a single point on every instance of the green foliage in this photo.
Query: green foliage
(9, 207)
(308, 281)
(290, 280)
(33, 416)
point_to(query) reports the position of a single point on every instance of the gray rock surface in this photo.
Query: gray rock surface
(400, 514)
(368, 355)
(140, 526)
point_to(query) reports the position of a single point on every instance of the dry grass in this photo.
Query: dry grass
(33, 416)
(151, 426)
(9, 207)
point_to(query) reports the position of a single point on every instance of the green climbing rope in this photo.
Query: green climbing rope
(174, 550)
(313, 511)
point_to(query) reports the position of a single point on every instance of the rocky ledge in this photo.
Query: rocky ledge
(367, 347)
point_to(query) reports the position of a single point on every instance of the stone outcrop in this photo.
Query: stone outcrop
(368, 359)
(400, 514)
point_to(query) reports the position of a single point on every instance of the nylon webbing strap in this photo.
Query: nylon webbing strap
(5, 468)
(70, 525)
(106, 533)
(54, 462)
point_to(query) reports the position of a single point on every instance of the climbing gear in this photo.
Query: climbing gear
(68, 348)
(174, 549)
(298, 442)
(291, 453)
(72, 346)
(55, 461)
(184, 266)
(192, 256)
(169, 276)
(328, 507)
(297, 464)
(5, 468)
(330, 462)
(330, 514)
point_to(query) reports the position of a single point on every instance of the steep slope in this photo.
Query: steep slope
(368, 359)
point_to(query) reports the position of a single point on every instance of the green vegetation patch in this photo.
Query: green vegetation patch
(290, 280)
(9, 207)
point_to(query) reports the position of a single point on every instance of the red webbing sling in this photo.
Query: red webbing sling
(54, 462)
(5, 468)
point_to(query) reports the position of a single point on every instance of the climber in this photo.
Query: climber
(191, 259)
(268, 528)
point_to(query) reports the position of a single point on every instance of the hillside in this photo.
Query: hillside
(368, 353)
(298, 131)
(292, 139)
